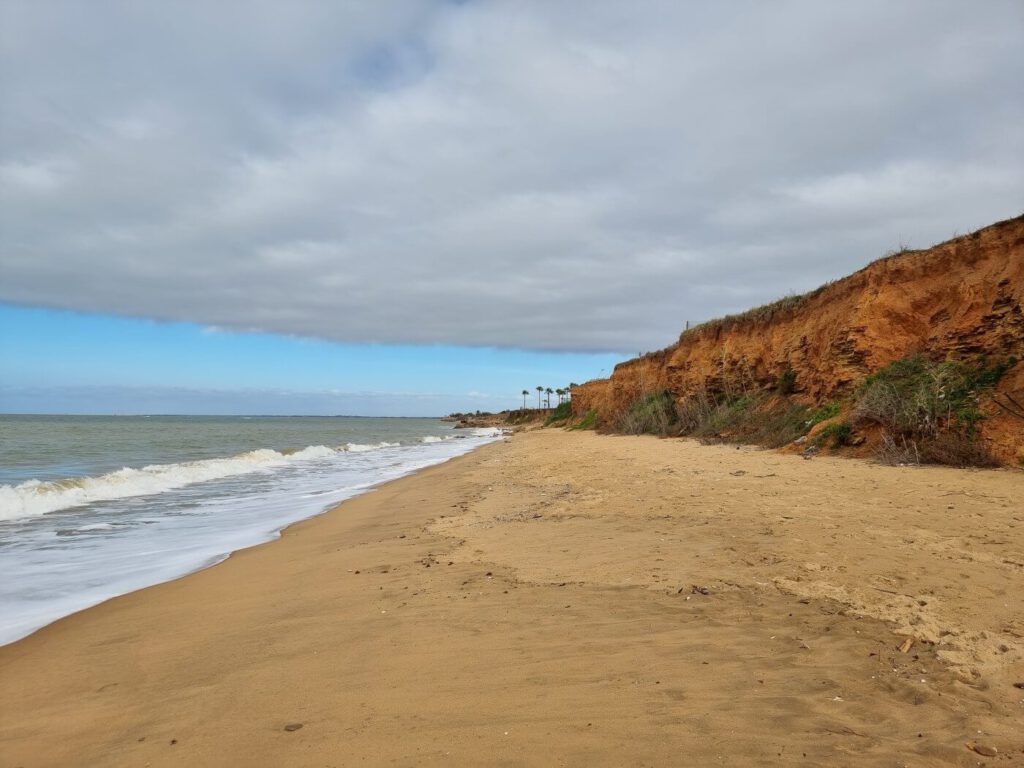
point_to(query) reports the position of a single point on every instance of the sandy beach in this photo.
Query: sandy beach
(568, 599)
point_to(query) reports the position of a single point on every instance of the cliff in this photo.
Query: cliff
(958, 300)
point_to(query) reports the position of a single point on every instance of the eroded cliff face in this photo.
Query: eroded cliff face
(957, 300)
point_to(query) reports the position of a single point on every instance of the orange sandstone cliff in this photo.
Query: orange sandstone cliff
(957, 300)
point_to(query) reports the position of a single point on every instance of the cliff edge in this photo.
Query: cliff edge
(957, 301)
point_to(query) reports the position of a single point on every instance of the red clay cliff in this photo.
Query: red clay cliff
(958, 300)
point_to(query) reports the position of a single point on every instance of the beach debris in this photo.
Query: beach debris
(1019, 685)
(698, 590)
(738, 473)
(985, 750)
(906, 645)
(173, 742)
(293, 727)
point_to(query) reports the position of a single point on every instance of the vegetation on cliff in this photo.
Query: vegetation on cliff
(912, 357)
(926, 411)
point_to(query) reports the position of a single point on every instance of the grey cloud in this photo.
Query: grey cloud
(578, 176)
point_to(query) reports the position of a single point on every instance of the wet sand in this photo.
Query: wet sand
(568, 599)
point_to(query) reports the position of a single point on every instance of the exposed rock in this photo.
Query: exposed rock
(960, 299)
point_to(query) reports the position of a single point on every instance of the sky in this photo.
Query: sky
(419, 206)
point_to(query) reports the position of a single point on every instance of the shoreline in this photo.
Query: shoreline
(265, 536)
(543, 598)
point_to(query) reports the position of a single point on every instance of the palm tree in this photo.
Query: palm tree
(540, 390)
(561, 395)
(525, 393)
(549, 391)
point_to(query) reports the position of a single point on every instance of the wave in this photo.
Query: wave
(360, 448)
(34, 497)
(475, 432)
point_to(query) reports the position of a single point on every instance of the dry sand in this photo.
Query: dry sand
(542, 602)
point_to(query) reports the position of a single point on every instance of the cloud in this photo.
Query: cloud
(557, 176)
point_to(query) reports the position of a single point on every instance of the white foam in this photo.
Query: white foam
(95, 527)
(35, 498)
(436, 439)
(314, 452)
(361, 448)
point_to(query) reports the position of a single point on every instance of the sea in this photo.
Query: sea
(92, 507)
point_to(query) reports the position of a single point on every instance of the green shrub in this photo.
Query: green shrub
(920, 398)
(650, 414)
(930, 411)
(775, 425)
(824, 413)
(561, 414)
(839, 433)
(695, 411)
(748, 418)
(756, 419)
(589, 421)
(727, 415)
(786, 384)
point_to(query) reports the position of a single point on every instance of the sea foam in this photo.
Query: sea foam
(34, 497)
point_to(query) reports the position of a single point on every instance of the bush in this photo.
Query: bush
(958, 449)
(824, 413)
(650, 414)
(695, 411)
(753, 419)
(561, 414)
(589, 421)
(787, 381)
(839, 433)
(930, 411)
(748, 418)
(727, 416)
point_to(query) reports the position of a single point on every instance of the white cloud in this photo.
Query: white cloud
(541, 175)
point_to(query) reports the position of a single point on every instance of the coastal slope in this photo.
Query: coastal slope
(959, 300)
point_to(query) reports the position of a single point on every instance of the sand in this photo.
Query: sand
(568, 599)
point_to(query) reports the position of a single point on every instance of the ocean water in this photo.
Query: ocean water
(93, 506)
